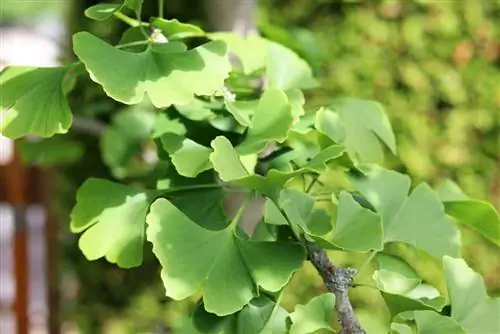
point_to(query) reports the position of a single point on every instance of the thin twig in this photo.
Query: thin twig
(88, 125)
(337, 280)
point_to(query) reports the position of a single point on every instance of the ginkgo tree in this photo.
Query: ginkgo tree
(173, 79)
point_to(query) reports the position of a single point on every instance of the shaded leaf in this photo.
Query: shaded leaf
(34, 101)
(54, 151)
(121, 142)
(166, 72)
(260, 316)
(231, 269)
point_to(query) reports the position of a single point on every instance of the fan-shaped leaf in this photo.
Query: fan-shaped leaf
(313, 316)
(33, 102)
(173, 29)
(113, 218)
(166, 72)
(417, 219)
(360, 125)
(231, 269)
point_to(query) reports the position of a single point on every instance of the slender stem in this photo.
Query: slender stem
(141, 27)
(194, 187)
(313, 182)
(130, 21)
(127, 45)
(160, 9)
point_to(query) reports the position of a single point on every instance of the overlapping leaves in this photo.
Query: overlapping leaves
(260, 316)
(360, 125)
(226, 162)
(168, 73)
(231, 269)
(417, 219)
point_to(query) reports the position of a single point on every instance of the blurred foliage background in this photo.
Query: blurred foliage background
(434, 65)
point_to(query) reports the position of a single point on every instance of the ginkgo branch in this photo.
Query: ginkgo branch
(337, 280)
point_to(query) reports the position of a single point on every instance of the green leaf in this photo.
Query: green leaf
(102, 11)
(286, 70)
(173, 29)
(478, 215)
(260, 316)
(395, 275)
(397, 328)
(397, 303)
(242, 111)
(231, 269)
(251, 51)
(417, 219)
(196, 110)
(188, 157)
(271, 121)
(113, 218)
(204, 207)
(166, 72)
(297, 100)
(470, 305)
(53, 151)
(164, 123)
(299, 208)
(121, 142)
(34, 102)
(357, 229)
(227, 164)
(135, 5)
(429, 322)
(313, 316)
(360, 125)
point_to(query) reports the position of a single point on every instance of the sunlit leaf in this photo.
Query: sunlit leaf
(417, 219)
(360, 125)
(271, 121)
(102, 11)
(470, 305)
(314, 315)
(394, 275)
(166, 72)
(231, 269)
(33, 102)
(188, 157)
(479, 215)
(429, 322)
(173, 29)
(112, 218)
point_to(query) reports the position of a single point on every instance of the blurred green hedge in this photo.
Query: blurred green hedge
(435, 65)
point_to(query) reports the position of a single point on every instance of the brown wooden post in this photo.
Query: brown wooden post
(14, 180)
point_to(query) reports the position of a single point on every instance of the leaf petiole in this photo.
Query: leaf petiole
(130, 21)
